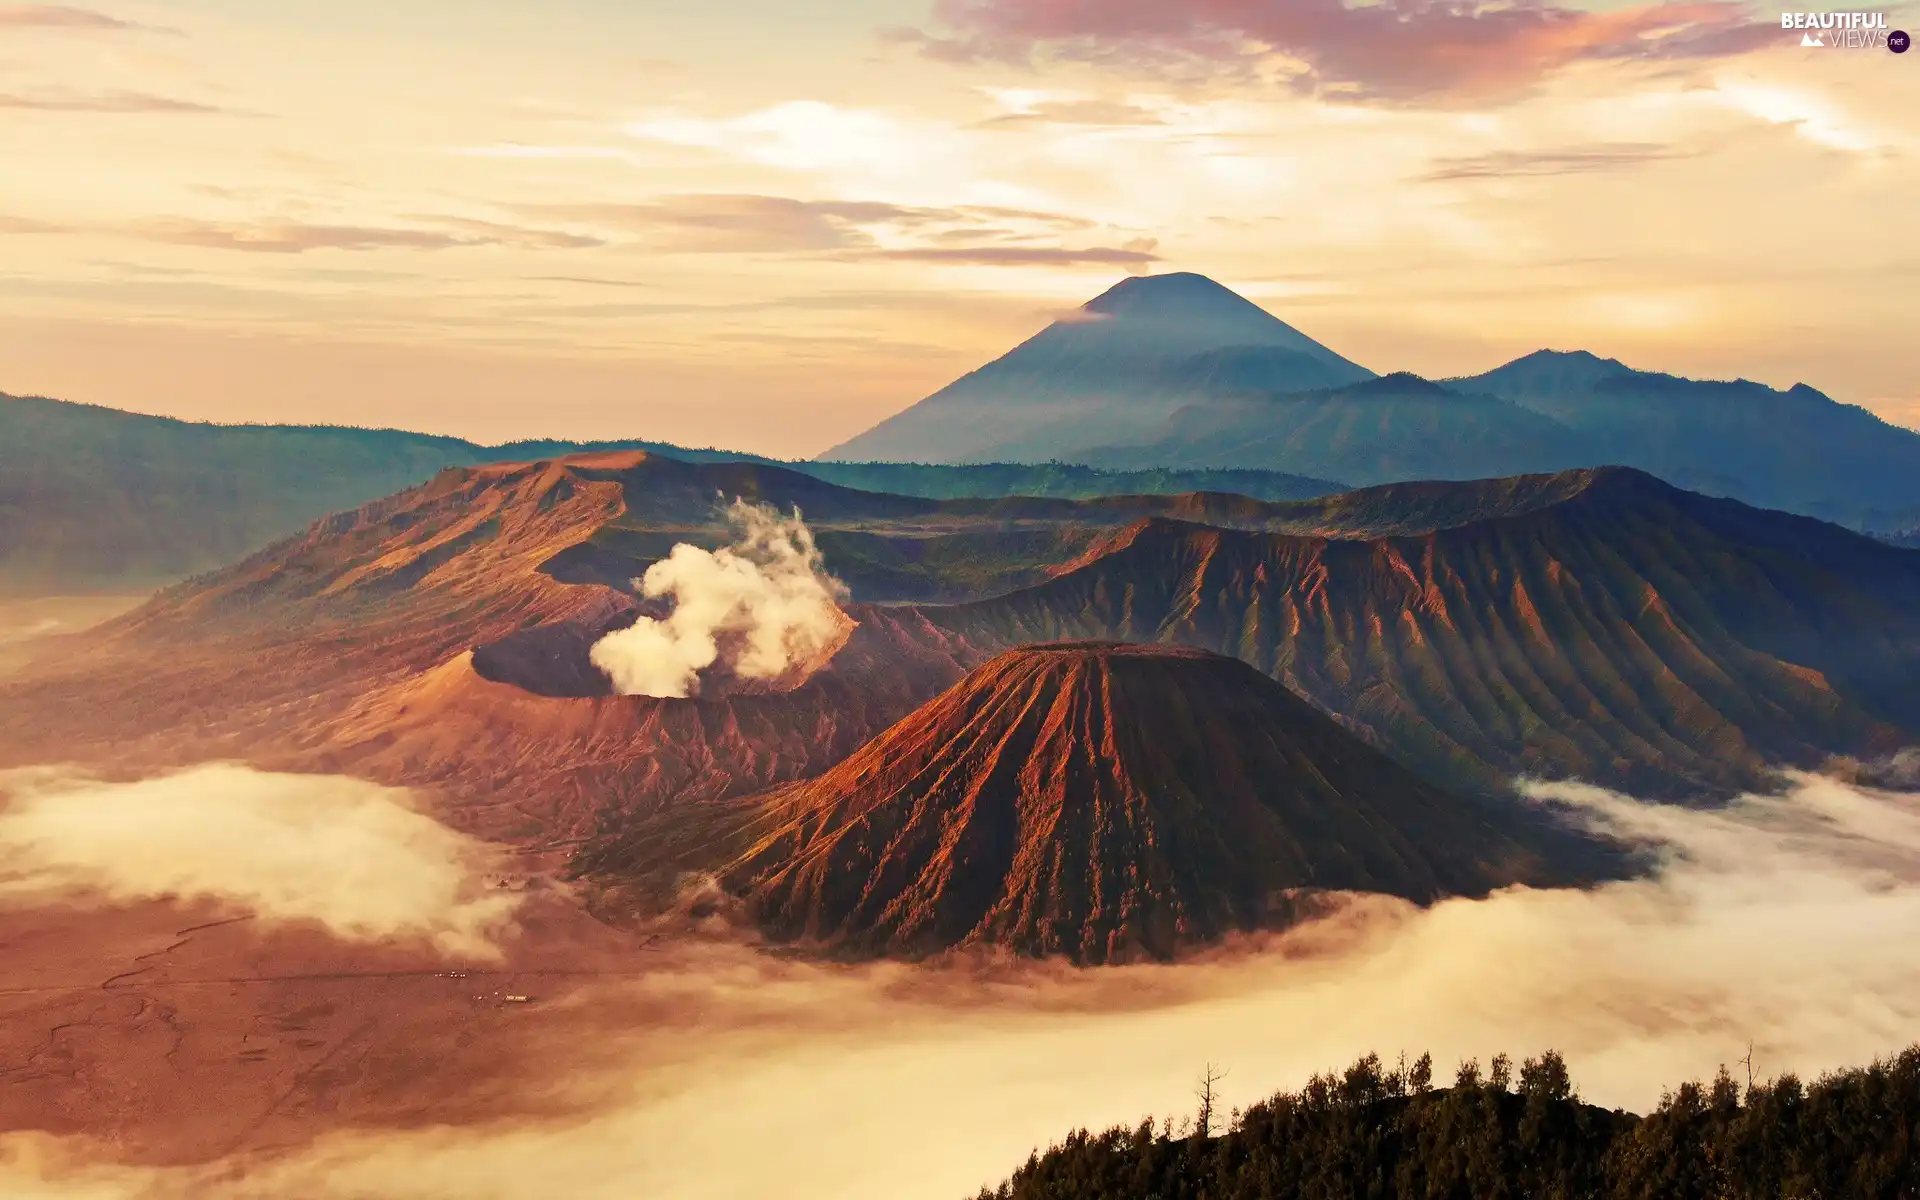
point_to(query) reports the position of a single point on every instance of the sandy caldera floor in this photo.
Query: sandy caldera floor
(182, 1034)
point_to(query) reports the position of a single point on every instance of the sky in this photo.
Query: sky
(768, 225)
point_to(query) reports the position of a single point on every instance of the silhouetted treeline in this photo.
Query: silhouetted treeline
(1374, 1133)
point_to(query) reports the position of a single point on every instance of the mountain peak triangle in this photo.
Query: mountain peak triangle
(1122, 363)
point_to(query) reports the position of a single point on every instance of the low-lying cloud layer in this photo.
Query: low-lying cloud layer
(1781, 922)
(352, 856)
(765, 605)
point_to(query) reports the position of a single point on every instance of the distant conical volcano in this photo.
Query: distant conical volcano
(1119, 363)
(1105, 802)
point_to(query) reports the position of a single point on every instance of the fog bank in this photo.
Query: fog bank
(1784, 922)
(350, 855)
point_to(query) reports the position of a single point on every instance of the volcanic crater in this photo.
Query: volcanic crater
(555, 660)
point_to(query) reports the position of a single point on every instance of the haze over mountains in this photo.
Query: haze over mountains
(97, 499)
(1176, 370)
(1162, 384)
(1594, 624)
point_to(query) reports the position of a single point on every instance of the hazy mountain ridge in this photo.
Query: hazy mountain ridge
(94, 498)
(1796, 449)
(1163, 384)
(1162, 396)
(1392, 428)
(1596, 624)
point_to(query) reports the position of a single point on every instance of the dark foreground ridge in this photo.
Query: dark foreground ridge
(1382, 1134)
(1105, 802)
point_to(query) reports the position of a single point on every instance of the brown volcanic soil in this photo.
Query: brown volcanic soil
(522, 767)
(1104, 802)
(179, 1034)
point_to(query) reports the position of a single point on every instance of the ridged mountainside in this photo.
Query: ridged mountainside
(1397, 427)
(1623, 631)
(1105, 802)
(1796, 449)
(1595, 624)
(424, 639)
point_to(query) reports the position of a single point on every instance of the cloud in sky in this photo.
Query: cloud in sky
(539, 152)
(1088, 110)
(1135, 254)
(495, 233)
(58, 16)
(28, 225)
(68, 19)
(1394, 49)
(592, 281)
(740, 223)
(1818, 118)
(850, 229)
(106, 102)
(813, 136)
(1241, 183)
(293, 237)
(1567, 160)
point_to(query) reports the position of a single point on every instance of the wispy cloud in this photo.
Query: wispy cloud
(61, 16)
(291, 237)
(1813, 115)
(56, 16)
(810, 136)
(494, 233)
(108, 102)
(1094, 112)
(28, 225)
(732, 223)
(590, 281)
(1392, 49)
(537, 151)
(1570, 160)
(757, 224)
(1137, 254)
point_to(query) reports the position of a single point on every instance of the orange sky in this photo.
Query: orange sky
(767, 225)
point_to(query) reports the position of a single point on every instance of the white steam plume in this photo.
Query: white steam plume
(766, 600)
(350, 855)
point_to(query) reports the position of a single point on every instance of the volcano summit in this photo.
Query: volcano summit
(1107, 802)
